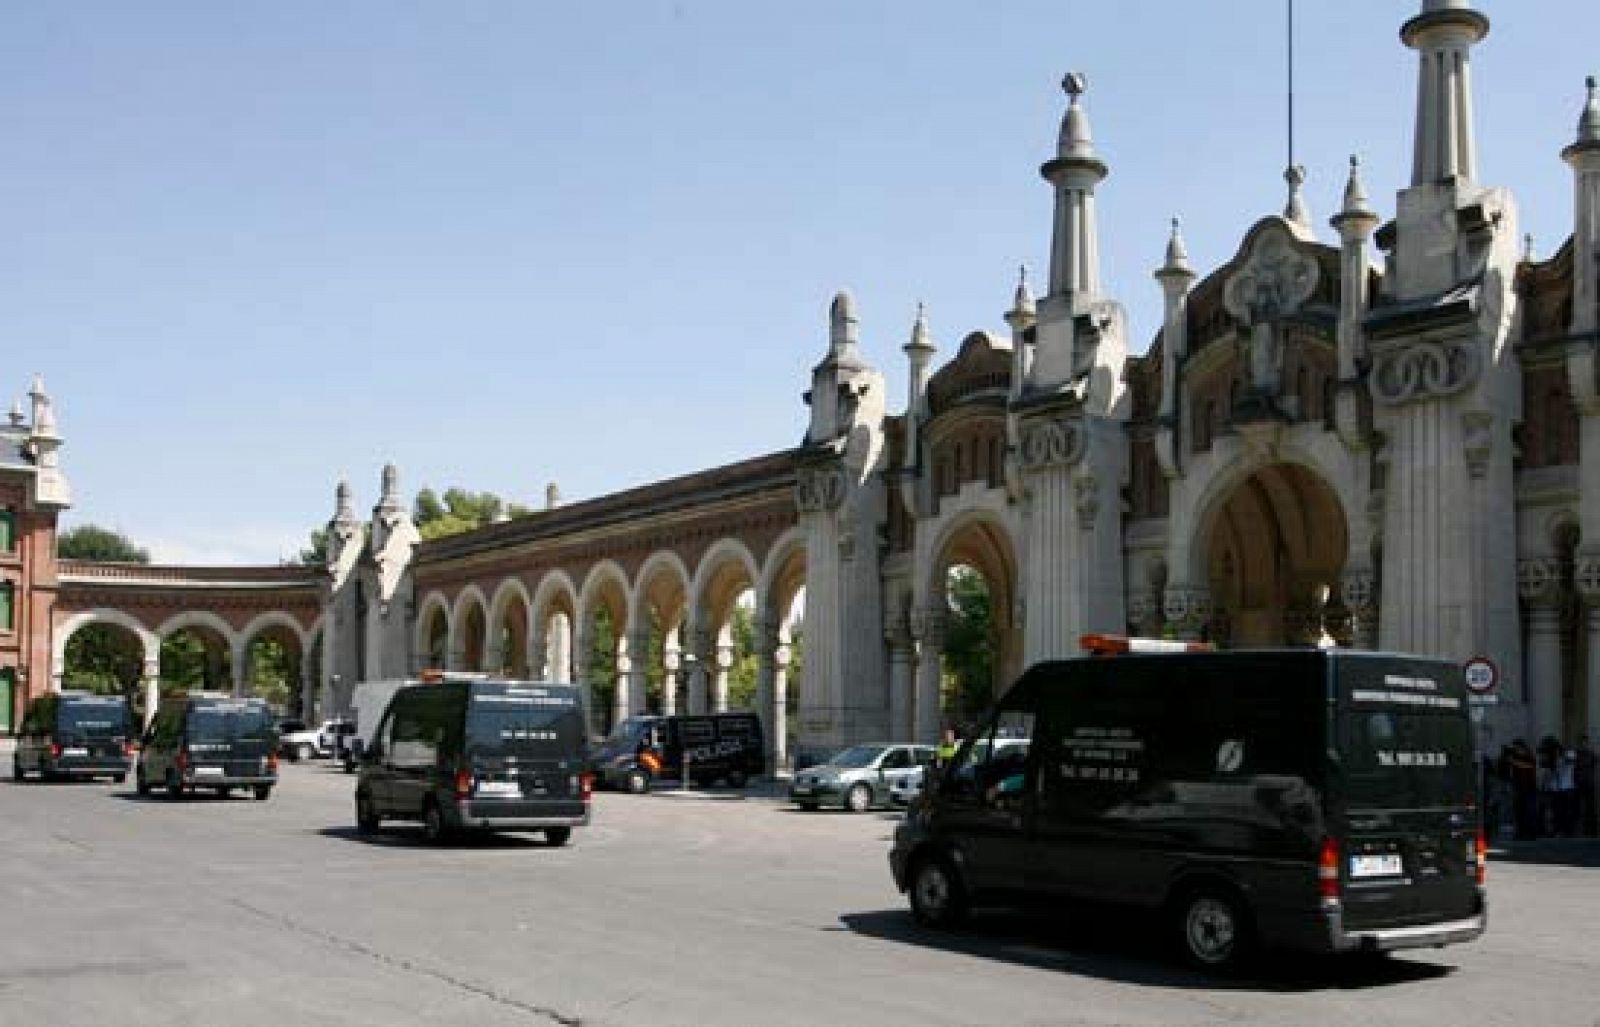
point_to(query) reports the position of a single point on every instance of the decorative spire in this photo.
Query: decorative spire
(1356, 219)
(391, 489)
(1355, 192)
(1442, 35)
(1076, 140)
(1589, 120)
(1295, 209)
(1022, 305)
(1076, 170)
(842, 325)
(344, 507)
(1177, 255)
(1527, 248)
(920, 344)
(17, 416)
(44, 418)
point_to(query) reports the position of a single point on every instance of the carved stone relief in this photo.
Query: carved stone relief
(1052, 443)
(1424, 370)
(1275, 282)
(819, 489)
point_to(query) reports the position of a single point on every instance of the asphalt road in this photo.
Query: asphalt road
(669, 910)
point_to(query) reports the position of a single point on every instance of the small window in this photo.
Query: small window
(899, 759)
(8, 531)
(7, 606)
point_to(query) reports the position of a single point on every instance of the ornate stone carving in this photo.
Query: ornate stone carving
(1477, 441)
(1275, 281)
(818, 489)
(1424, 370)
(1187, 610)
(1586, 577)
(1358, 591)
(928, 625)
(1139, 608)
(1537, 580)
(1052, 443)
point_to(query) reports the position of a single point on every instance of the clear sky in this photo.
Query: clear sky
(256, 247)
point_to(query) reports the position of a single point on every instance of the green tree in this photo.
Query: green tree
(603, 668)
(104, 658)
(90, 542)
(742, 675)
(460, 510)
(316, 552)
(968, 671)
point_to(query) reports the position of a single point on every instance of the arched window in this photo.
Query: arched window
(8, 531)
(8, 614)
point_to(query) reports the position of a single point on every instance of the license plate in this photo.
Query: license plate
(75, 751)
(207, 771)
(498, 790)
(802, 789)
(1386, 865)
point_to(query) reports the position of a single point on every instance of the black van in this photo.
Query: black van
(715, 746)
(209, 741)
(1317, 800)
(74, 734)
(473, 753)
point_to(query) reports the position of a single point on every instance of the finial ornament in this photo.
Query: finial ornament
(1295, 210)
(920, 343)
(1076, 83)
(1527, 247)
(17, 416)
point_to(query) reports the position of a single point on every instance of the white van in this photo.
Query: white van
(367, 703)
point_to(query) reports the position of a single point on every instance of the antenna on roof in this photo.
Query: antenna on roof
(1290, 48)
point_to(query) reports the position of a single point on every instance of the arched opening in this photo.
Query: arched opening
(435, 637)
(661, 600)
(974, 589)
(511, 638)
(107, 659)
(783, 591)
(1275, 551)
(473, 634)
(602, 620)
(726, 600)
(196, 656)
(273, 665)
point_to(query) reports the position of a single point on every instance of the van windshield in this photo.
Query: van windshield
(1394, 759)
(544, 721)
(94, 718)
(628, 730)
(226, 722)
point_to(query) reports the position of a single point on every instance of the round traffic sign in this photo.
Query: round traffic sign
(1482, 675)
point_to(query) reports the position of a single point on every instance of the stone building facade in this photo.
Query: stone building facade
(1388, 439)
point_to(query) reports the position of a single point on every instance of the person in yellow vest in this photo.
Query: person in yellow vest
(947, 748)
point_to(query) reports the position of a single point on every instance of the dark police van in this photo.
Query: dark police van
(74, 734)
(467, 752)
(713, 747)
(1317, 800)
(209, 741)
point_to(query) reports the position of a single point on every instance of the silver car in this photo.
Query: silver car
(905, 791)
(858, 778)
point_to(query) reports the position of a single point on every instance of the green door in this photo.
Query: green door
(8, 688)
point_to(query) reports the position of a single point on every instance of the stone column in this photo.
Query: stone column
(1539, 583)
(902, 678)
(639, 670)
(929, 629)
(767, 643)
(671, 658)
(1587, 576)
(539, 661)
(238, 672)
(151, 682)
(778, 740)
(308, 691)
(1360, 598)
(580, 676)
(719, 692)
(699, 655)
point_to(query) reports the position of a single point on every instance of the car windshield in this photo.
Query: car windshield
(94, 717)
(223, 722)
(540, 721)
(627, 730)
(857, 756)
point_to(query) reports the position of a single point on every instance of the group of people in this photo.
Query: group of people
(1550, 791)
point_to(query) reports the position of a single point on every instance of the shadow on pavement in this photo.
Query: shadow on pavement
(1129, 948)
(410, 836)
(1563, 852)
(159, 795)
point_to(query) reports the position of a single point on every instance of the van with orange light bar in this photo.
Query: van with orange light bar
(1320, 800)
(460, 752)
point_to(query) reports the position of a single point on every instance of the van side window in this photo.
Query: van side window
(416, 736)
(992, 769)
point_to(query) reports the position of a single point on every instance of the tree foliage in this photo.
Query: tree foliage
(969, 649)
(460, 510)
(91, 542)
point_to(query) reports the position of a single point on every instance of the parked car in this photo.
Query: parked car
(712, 747)
(907, 788)
(1322, 800)
(211, 741)
(74, 734)
(482, 754)
(858, 778)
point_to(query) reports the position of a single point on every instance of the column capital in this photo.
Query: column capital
(1586, 577)
(1538, 582)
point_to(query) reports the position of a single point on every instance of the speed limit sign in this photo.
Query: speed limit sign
(1482, 675)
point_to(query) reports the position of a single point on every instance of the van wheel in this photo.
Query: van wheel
(304, 751)
(140, 785)
(263, 792)
(118, 778)
(555, 837)
(16, 770)
(937, 897)
(637, 782)
(736, 779)
(174, 786)
(367, 819)
(858, 799)
(809, 807)
(1214, 929)
(433, 826)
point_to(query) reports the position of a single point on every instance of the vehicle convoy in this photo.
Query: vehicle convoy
(367, 703)
(1307, 799)
(74, 734)
(460, 753)
(209, 741)
(859, 777)
(712, 747)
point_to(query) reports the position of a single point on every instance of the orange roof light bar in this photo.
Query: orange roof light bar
(1114, 645)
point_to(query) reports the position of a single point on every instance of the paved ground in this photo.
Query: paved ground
(668, 910)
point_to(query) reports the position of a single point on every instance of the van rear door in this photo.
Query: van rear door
(1406, 782)
(526, 742)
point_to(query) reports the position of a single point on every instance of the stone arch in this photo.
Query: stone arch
(981, 540)
(783, 576)
(510, 628)
(655, 648)
(712, 592)
(266, 626)
(605, 588)
(1270, 545)
(552, 619)
(647, 589)
(149, 641)
(204, 624)
(432, 641)
(469, 629)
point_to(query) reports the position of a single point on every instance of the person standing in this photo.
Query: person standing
(1584, 777)
(1524, 790)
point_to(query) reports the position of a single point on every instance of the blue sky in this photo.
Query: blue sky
(254, 248)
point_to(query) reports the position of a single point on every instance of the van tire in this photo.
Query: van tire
(938, 899)
(859, 798)
(809, 806)
(118, 778)
(140, 785)
(367, 819)
(555, 837)
(263, 792)
(304, 751)
(1213, 928)
(637, 782)
(736, 779)
(16, 770)
(174, 786)
(434, 827)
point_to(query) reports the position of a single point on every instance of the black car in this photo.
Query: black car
(1306, 799)
(210, 742)
(457, 753)
(74, 734)
(706, 747)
